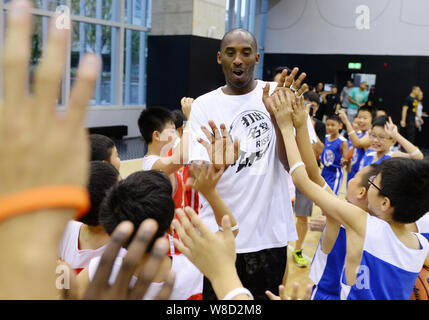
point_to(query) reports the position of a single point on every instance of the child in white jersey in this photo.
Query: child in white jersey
(86, 239)
(382, 246)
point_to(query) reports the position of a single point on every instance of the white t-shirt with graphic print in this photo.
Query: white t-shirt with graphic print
(255, 188)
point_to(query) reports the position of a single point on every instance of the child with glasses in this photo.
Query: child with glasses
(384, 134)
(383, 258)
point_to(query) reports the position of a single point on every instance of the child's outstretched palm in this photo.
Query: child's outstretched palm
(300, 115)
(281, 103)
(204, 178)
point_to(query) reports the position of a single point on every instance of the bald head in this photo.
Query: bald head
(238, 32)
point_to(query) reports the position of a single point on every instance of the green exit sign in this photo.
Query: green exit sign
(355, 65)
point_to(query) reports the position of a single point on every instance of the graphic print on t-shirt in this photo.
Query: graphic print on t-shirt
(255, 131)
(329, 157)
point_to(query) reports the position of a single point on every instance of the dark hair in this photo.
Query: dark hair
(334, 117)
(380, 121)
(406, 183)
(254, 42)
(280, 70)
(143, 195)
(102, 176)
(368, 109)
(101, 147)
(373, 170)
(381, 108)
(153, 119)
(179, 118)
(312, 96)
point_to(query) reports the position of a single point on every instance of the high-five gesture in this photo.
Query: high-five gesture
(300, 115)
(204, 178)
(223, 151)
(281, 104)
(289, 82)
(286, 82)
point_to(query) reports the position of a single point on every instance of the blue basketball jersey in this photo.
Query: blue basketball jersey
(326, 269)
(357, 158)
(423, 226)
(388, 269)
(331, 155)
(369, 156)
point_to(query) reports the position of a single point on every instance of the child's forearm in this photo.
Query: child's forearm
(291, 147)
(413, 151)
(226, 282)
(307, 153)
(180, 153)
(341, 211)
(404, 114)
(220, 209)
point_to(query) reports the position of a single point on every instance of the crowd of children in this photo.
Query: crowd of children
(209, 216)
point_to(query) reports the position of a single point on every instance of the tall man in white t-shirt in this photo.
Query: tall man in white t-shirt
(255, 187)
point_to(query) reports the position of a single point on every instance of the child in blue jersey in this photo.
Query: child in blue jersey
(360, 140)
(383, 136)
(334, 153)
(328, 261)
(383, 258)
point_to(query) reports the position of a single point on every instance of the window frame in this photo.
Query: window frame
(118, 96)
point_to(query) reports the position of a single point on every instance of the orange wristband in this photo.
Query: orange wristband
(49, 197)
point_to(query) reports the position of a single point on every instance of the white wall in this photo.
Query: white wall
(397, 27)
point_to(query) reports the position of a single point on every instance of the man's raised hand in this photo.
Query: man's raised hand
(289, 82)
(222, 150)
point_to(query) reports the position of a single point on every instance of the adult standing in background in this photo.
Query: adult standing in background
(357, 98)
(344, 96)
(419, 114)
(408, 116)
(332, 101)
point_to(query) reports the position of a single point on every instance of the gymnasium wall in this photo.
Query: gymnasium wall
(179, 66)
(328, 27)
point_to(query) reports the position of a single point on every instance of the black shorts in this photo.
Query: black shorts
(409, 132)
(258, 272)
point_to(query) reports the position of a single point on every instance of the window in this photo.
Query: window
(114, 29)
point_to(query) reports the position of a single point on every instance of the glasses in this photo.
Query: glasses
(371, 182)
(379, 138)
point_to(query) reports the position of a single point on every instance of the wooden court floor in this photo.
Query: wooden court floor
(295, 273)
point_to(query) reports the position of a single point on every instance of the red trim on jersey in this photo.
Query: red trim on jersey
(198, 296)
(183, 197)
(78, 270)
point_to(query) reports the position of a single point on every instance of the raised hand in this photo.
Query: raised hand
(300, 115)
(212, 253)
(186, 104)
(204, 178)
(289, 82)
(29, 124)
(100, 289)
(391, 129)
(343, 116)
(294, 296)
(281, 103)
(223, 151)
